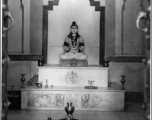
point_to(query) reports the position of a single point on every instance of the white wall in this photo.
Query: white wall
(59, 23)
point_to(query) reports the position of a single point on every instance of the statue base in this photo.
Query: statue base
(73, 63)
(70, 119)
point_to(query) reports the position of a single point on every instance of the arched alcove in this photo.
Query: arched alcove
(56, 25)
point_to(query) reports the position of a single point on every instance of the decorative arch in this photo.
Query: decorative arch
(50, 5)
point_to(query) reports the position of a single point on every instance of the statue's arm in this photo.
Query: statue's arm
(81, 44)
(66, 45)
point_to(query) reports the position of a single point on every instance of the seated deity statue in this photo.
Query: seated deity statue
(73, 45)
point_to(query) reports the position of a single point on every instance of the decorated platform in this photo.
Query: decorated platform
(56, 98)
(86, 87)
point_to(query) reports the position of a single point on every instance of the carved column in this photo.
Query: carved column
(118, 27)
(122, 27)
(5, 59)
(145, 14)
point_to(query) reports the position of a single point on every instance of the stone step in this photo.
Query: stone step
(56, 98)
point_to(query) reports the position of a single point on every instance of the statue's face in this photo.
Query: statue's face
(74, 29)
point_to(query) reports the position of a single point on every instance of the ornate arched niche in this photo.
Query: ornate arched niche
(49, 39)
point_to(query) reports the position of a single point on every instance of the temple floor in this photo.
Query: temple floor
(133, 111)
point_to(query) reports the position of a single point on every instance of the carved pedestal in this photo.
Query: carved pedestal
(73, 76)
(56, 98)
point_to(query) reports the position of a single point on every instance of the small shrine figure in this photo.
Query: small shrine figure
(73, 45)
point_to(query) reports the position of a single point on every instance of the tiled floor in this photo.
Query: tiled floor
(132, 112)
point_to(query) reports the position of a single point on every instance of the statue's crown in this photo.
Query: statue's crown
(74, 24)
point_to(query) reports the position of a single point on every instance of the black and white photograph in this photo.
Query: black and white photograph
(75, 60)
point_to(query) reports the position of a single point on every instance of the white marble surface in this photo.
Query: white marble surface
(101, 99)
(114, 88)
(73, 76)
